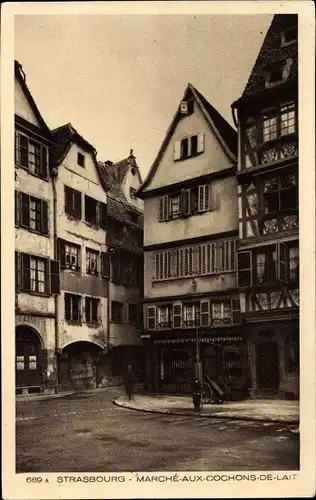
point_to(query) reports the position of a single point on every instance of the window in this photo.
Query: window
(205, 313)
(151, 317)
(80, 159)
(32, 362)
(174, 210)
(72, 308)
(91, 210)
(177, 315)
(244, 269)
(189, 147)
(221, 313)
(132, 192)
(134, 216)
(92, 310)
(38, 274)
(279, 122)
(204, 198)
(293, 265)
(69, 255)
(126, 269)
(191, 315)
(280, 194)
(164, 208)
(265, 265)
(164, 316)
(198, 260)
(20, 362)
(269, 128)
(72, 202)
(276, 74)
(133, 314)
(31, 155)
(92, 258)
(31, 212)
(287, 119)
(117, 312)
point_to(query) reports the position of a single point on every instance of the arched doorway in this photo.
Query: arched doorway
(267, 362)
(77, 366)
(28, 358)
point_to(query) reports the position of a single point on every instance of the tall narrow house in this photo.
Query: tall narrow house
(191, 304)
(125, 244)
(268, 255)
(36, 267)
(81, 214)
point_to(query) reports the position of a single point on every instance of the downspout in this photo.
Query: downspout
(54, 175)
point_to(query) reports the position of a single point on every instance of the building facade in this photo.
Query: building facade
(125, 241)
(36, 263)
(191, 303)
(81, 228)
(268, 246)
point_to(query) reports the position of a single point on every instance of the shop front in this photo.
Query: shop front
(223, 357)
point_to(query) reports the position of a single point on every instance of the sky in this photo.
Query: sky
(119, 79)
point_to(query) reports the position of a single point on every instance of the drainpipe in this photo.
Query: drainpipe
(54, 175)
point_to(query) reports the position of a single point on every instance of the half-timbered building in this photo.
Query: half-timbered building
(268, 247)
(191, 305)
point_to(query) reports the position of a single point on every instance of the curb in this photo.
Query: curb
(217, 415)
(46, 397)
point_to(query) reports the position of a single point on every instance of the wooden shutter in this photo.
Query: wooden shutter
(105, 265)
(151, 317)
(200, 143)
(25, 219)
(68, 200)
(177, 150)
(54, 275)
(244, 269)
(164, 208)
(177, 315)
(61, 252)
(205, 313)
(44, 217)
(281, 261)
(17, 271)
(44, 160)
(17, 148)
(235, 307)
(78, 207)
(185, 202)
(103, 215)
(24, 150)
(17, 207)
(201, 195)
(25, 272)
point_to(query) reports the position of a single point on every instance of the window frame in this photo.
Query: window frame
(89, 252)
(90, 302)
(25, 150)
(80, 159)
(74, 299)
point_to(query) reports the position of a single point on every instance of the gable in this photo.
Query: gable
(212, 159)
(132, 181)
(22, 105)
(87, 172)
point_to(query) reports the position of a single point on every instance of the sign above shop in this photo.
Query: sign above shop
(203, 340)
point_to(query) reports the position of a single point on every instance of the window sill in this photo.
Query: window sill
(37, 294)
(73, 322)
(73, 270)
(32, 173)
(92, 324)
(183, 158)
(34, 231)
(93, 225)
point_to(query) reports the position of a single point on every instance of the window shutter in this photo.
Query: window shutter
(166, 207)
(161, 208)
(201, 199)
(177, 315)
(205, 313)
(151, 317)
(17, 271)
(68, 202)
(282, 261)
(177, 150)
(244, 268)
(207, 197)
(17, 148)
(235, 306)
(24, 150)
(126, 315)
(78, 207)
(25, 271)
(44, 160)
(200, 145)
(103, 215)
(54, 277)
(105, 265)
(25, 210)
(61, 252)
(44, 216)
(17, 206)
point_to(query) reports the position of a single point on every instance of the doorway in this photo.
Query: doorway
(28, 367)
(267, 364)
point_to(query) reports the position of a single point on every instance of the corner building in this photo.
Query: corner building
(191, 304)
(268, 247)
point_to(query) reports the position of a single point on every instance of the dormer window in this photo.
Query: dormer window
(189, 146)
(80, 159)
(289, 36)
(279, 73)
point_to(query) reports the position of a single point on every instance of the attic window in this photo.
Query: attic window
(289, 36)
(133, 171)
(279, 73)
(132, 192)
(188, 147)
(80, 159)
(186, 107)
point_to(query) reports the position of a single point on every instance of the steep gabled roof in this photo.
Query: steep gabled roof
(20, 76)
(64, 136)
(113, 174)
(224, 132)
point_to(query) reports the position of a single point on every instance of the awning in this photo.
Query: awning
(205, 340)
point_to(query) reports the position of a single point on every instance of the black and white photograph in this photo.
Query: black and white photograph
(163, 294)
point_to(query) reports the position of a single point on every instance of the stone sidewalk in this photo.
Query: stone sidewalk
(261, 410)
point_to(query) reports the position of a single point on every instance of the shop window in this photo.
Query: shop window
(72, 308)
(92, 259)
(92, 307)
(73, 202)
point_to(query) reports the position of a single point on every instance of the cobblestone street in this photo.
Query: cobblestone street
(87, 433)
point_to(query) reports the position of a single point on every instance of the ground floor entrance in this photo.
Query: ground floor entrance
(78, 366)
(28, 360)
